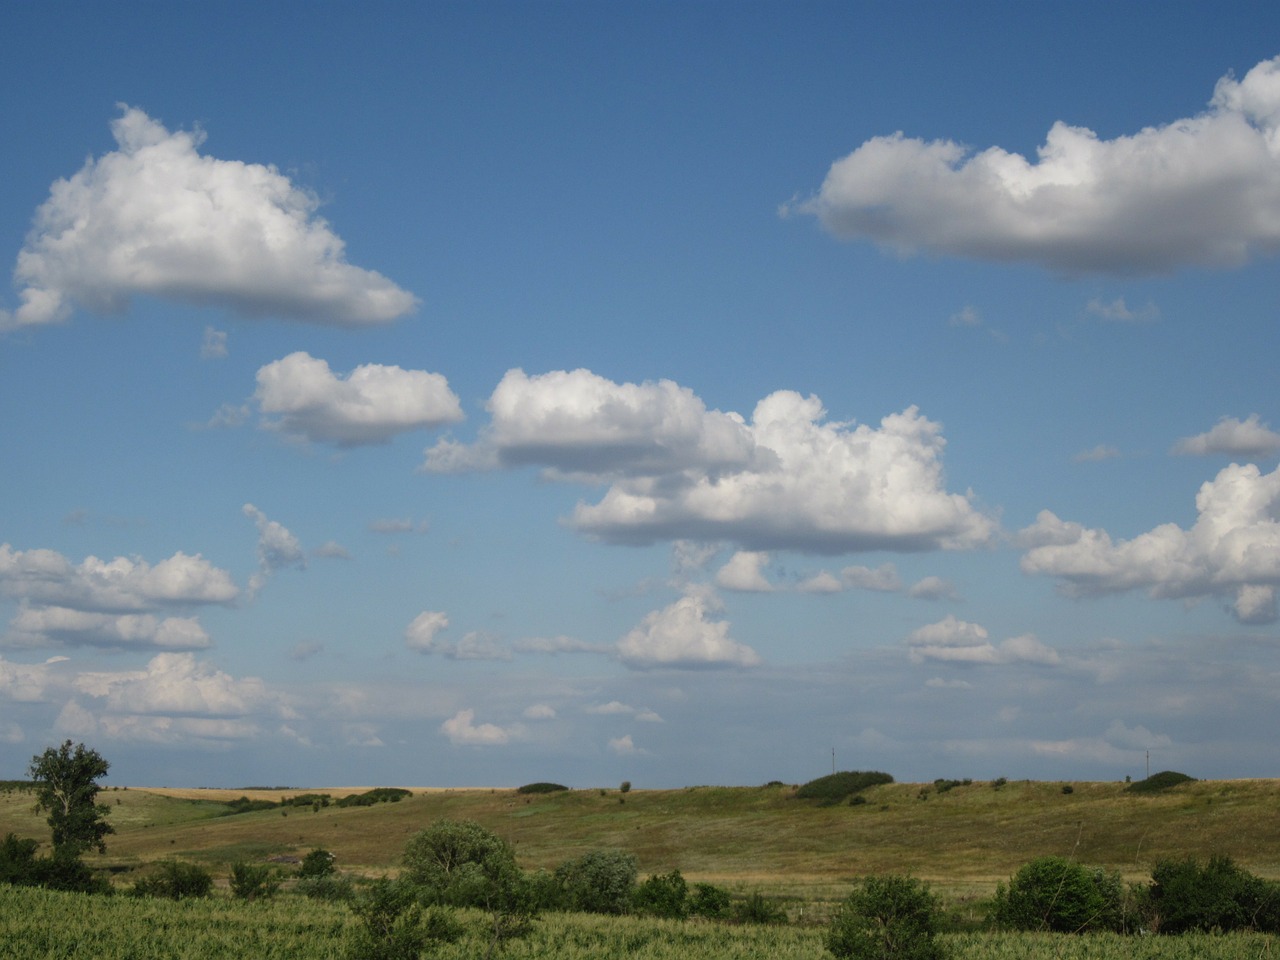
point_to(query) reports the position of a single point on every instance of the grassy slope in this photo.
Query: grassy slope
(746, 838)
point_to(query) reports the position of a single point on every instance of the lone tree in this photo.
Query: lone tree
(66, 785)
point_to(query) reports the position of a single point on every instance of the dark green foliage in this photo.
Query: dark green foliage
(710, 901)
(542, 787)
(663, 895)
(457, 862)
(333, 888)
(942, 786)
(66, 781)
(376, 795)
(757, 908)
(602, 881)
(245, 805)
(317, 863)
(307, 800)
(836, 787)
(390, 923)
(1057, 894)
(253, 881)
(1186, 896)
(20, 866)
(887, 918)
(1068, 788)
(1159, 781)
(625, 787)
(175, 881)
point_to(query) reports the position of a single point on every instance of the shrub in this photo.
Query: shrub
(757, 908)
(253, 881)
(20, 866)
(663, 895)
(376, 795)
(1218, 896)
(602, 881)
(542, 787)
(245, 805)
(1054, 893)
(710, 901)
(624, 787)
(835, 787)
(317, 863)
(1159, 781)
(390, 923)
(887, 918)
(459, 863)
(333, 888)
(175, 881)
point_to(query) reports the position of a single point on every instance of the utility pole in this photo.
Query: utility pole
(833, 761)
(1148, 764)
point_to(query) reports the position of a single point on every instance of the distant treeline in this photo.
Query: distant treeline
(318, 800)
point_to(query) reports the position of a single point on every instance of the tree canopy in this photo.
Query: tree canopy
(66, 779)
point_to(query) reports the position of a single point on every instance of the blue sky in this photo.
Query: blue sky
(474, 394)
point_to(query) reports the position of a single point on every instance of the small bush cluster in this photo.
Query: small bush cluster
(253, 881)
(376, 795)
(175, 880)
(838, 787)
(1186, 896)
(887, 918)
(1060, 895)
(20, 866)
(1159, 782)
(542, 787)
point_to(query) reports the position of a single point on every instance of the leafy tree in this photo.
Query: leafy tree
(1054, 893)
(317, 863)
(601, 881)
(887, 918)
(710, 901)
(66, 785)
(457, 862)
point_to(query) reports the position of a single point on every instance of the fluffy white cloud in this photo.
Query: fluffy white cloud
(957, 641)
(883, 579)
(932, 588)
(1234, 438)
(121, 585)
(156, 218)
(624, 746)
(421, 633)
(1232, 550)
(23, 682)
(301, 396)
(680, 635)
(176, 684)
(43, 625)
(579, 424)
(744, 572)
(462, 729)
(789, 479)
(1202, 190)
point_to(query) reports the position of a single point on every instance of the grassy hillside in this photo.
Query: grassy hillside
(764, 838)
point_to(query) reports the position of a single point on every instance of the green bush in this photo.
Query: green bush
(317, 863)
(887, 918)
(1057, 894)
(459, 863)
(602, 881)
(663, 895)
(836, 787)
(376, 795)
(390, 923)
(542, 787)
(1159, 781)
(245, 805)
(333, 888)
(20, 866)
(710, 901)
(253, 881)
(175, 881)
(1186, 896)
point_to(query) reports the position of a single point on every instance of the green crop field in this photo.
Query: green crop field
(961, 840)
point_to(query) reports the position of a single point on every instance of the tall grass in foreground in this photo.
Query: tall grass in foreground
(43, 925)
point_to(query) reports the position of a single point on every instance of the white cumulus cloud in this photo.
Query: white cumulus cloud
(1201, 190)
(681, 635)
(157, 218)
(299, 395)
(789, 479)
(462, 729)
(1232, 550)
(1234, 438)
(745, 573)
(957, 641)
